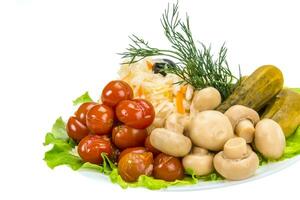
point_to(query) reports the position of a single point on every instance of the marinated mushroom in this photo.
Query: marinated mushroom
(210, 129)
(200, 161)
(199, 150)
(162, 111)
(237, 161)
(177, 123)
(269, 139)
(243, 120)
(206, 99)
(170, 143)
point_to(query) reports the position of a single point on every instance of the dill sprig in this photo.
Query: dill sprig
(195, 66)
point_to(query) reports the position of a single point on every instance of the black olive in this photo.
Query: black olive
(158, 68)
(160, 64)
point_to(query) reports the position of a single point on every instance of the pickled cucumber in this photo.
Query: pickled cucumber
(285, 110)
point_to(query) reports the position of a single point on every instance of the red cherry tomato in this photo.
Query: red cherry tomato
(76, 129)
(149, 146)
(124, 136)
(133, 165)
(132, 150)
(137, 113)
(100, 119)
(116, 91)
(167, 168)
(148, 109)
(82, 110)
(91, 147)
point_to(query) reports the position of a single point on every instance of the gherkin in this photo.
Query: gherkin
(285, 110)
(256, 90)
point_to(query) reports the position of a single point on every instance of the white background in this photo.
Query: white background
(53, 51)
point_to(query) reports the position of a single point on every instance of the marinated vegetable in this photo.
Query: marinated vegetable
(243, 121)
(205, 99)
(116, 91)
(82, 111)
(286, 105)
(137, 113)
(99, 119)
(256, 90)
(132, 165)
(237, 161)
(132, 150)
(76, 129)
(91, 147)
(124, 136)
(170, 142)
(210, 130)
(150, 147)
(200, 161)
(269, 139)
(167, 168)
(179, 118)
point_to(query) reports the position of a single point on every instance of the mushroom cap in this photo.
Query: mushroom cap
(205, 99)
(210, 129)
(238, 113)
(200, 164)
(170, 143)
(269, 139)
(236, 169)
(199, 150)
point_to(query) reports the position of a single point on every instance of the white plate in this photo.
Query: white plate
(263, 171)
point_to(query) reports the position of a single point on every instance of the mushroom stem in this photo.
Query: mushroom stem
(246, 130)
(235, 148)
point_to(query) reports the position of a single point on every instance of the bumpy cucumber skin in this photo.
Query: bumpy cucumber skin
(285, 110)
(257, 89)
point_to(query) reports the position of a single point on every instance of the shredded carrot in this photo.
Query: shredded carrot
(140, 91)
(127, 77)
(183, 89)
(179, 100)
(149, 65)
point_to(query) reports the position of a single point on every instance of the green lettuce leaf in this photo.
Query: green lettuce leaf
(82, 99)
(59, 129)
(214, 176)
(296, 89)
(61, 151)
(61, 156)
(105, 168)
(292, 145)
(91, 166)
(149, 182)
